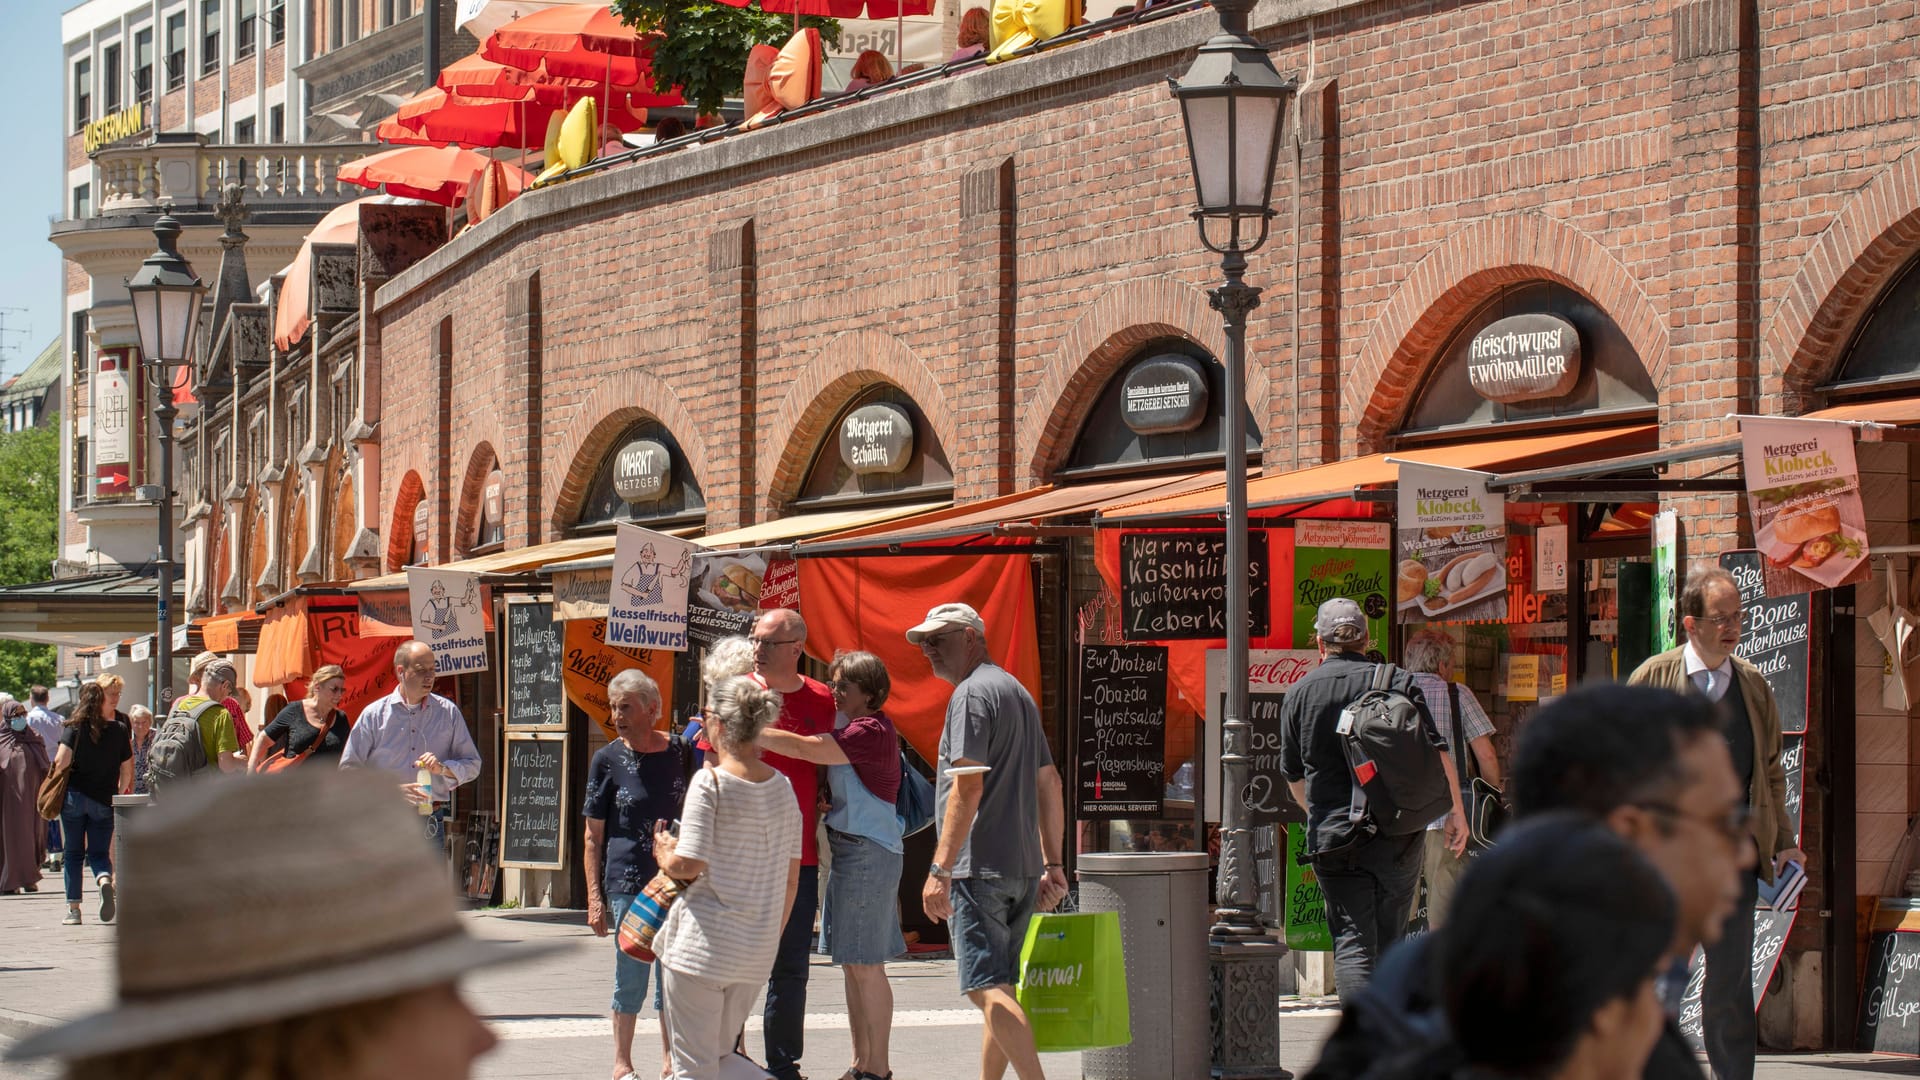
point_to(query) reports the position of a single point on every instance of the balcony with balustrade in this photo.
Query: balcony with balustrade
(189, 173)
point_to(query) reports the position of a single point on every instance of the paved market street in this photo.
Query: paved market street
(551, 1020)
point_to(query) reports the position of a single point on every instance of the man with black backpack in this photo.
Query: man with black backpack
(1360, 753)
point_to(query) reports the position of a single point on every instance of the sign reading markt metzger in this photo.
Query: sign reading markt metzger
(1524, 358)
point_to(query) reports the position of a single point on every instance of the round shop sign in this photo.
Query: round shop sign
(492, 503)
(1524, 358)
(641, 471)
(876, 438)
(1164, 394)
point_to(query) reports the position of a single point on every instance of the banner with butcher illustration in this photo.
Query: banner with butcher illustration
(1453, 546)
(1803, 487)
(647, 597)
(449, 609)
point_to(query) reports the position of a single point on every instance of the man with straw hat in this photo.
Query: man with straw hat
(340, 960)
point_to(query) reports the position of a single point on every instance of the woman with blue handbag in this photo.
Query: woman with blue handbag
(861, 927)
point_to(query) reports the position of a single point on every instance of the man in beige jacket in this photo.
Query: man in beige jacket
(1706, 664)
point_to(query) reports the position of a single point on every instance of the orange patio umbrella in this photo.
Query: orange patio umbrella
(585, 41)
(437, 174)
(435, 117)
(291, 315)
(477, 77)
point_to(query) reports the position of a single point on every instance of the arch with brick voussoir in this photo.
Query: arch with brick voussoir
(406, 500)
(1108, 332)
(481, 460)
(848, 364)
(600, 419)
(1853, 260)
(1463, 272)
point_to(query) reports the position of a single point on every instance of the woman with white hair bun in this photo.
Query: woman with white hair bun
(739, 846)
(725, 658)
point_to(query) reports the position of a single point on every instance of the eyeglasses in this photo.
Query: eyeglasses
(1732, 825)
(935, 641)
(768, 643)
(1725, 622)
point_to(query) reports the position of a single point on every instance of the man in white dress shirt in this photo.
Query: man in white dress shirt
(1750, 718)
(414, 728)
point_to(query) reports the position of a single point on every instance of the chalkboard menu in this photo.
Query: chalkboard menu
(533, 836)
(534, 695)
(1267, 796)
(1889, 1003)
(1793, 760)
(1123, 731)
(1774, 636)
(1173, 585)
(1769, 940)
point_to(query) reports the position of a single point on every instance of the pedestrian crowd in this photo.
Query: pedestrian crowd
(1645, 816)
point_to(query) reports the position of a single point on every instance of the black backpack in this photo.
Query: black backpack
(1399, 784)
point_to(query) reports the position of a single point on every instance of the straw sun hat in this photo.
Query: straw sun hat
(224, 924)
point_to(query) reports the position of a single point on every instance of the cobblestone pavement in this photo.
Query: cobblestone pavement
(551, 1015)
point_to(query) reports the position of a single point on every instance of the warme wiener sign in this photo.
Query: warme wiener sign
(1803, 487)
(1453, 546)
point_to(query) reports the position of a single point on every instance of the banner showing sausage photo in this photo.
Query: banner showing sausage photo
(1453, 546)
(1804, 490)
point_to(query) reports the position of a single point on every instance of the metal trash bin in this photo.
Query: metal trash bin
(125, 808)
(1162, 901)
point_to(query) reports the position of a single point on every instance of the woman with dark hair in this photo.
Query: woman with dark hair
(101, 750)
(1548, 964)
(860, 926)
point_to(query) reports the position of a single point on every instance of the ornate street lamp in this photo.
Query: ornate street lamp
(1232, 102)
(166, 306)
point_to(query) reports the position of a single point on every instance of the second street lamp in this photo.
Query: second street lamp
(166, 295)
(1232, 101)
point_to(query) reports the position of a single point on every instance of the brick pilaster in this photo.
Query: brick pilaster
(525, 404)
(733, 333)
(441, 530)
(1314, 419)
(983, 460)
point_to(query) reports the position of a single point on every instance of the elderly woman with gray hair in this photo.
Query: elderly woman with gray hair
(1428, 656)
(635, 781)
(739, 845)
(725, 658)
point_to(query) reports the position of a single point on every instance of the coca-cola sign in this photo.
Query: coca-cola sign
(641, 471)
(1524, 358)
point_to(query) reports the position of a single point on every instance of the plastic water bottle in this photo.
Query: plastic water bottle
(425, 779)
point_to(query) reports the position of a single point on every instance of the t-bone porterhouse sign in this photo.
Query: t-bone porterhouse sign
(1524, 357)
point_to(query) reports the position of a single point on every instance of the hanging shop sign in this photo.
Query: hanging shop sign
(116, 127)
(111, 434)
(1453, 546)
(729, 586)
(422, 517)
(493, 510)
(140, 650)
(1803, 488)
(876, 439)
(1173, 585)
(1343, 559)
(1164, 394)
(647, 596)
(447, 608)
(1524, 358)
(1120, 771)
(642, 471)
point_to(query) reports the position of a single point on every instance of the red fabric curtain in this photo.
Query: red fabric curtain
(868, 604)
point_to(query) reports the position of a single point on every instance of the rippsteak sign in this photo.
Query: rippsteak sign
(1523, 358)
(640, 472)
(876, 439)
(1164, 394)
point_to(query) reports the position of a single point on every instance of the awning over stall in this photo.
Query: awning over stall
(1011, 515)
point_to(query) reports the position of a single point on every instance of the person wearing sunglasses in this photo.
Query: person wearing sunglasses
(1707, 664)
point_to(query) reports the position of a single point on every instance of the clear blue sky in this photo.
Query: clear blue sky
(30, 84)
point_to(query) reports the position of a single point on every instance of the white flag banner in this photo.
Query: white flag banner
(449, 615)
(140, 650)
(647, 598)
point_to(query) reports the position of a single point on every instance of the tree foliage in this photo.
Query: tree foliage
(704, 50)
(29, 524)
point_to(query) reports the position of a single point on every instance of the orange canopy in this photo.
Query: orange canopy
(221, 633)
(868, 604)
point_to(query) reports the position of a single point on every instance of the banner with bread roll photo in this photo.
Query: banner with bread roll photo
(1452, 557)
(1803, 487)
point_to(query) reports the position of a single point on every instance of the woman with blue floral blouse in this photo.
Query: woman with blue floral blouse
(634, 781)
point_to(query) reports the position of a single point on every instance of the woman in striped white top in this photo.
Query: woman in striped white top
(739, 844)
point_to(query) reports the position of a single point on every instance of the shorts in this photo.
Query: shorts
(861, 924)
(989, 927)
(629, 975)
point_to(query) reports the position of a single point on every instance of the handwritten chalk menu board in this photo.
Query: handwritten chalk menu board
(534, 802)
(1769, 941)
(1123, 731)
(1774, 636)
(1266, 794)
(534, 695)
(1793, 760)
(1890, 998)
(1173, 585)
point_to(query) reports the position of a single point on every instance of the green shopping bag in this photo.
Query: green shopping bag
(1073, 982)
(1306, 905)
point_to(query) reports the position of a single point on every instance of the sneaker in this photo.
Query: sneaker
(72, 919)
(105, 881)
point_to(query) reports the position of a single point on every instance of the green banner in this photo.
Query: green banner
(1666, 580)
(1342, 558)
(1306, 904)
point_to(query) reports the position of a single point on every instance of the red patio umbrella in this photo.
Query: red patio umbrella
(437, 174)
(581, 41)
(477, 77)
(897, 10)
(434, 117)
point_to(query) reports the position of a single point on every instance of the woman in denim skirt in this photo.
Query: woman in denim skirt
(861, 926)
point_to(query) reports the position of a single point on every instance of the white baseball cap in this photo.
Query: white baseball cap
(944, 616)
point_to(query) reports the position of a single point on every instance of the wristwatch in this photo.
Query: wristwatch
(936, 870)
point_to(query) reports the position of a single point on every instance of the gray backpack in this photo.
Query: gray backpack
(177, 751)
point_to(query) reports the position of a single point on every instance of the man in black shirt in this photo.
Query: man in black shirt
(1368, 879)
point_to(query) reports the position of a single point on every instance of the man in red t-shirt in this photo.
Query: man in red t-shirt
(806, 708)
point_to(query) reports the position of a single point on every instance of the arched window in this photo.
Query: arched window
(1164, 408)
(644, 478)
(879, 449)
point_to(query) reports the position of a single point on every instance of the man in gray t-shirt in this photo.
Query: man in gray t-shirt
(1002, 820)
